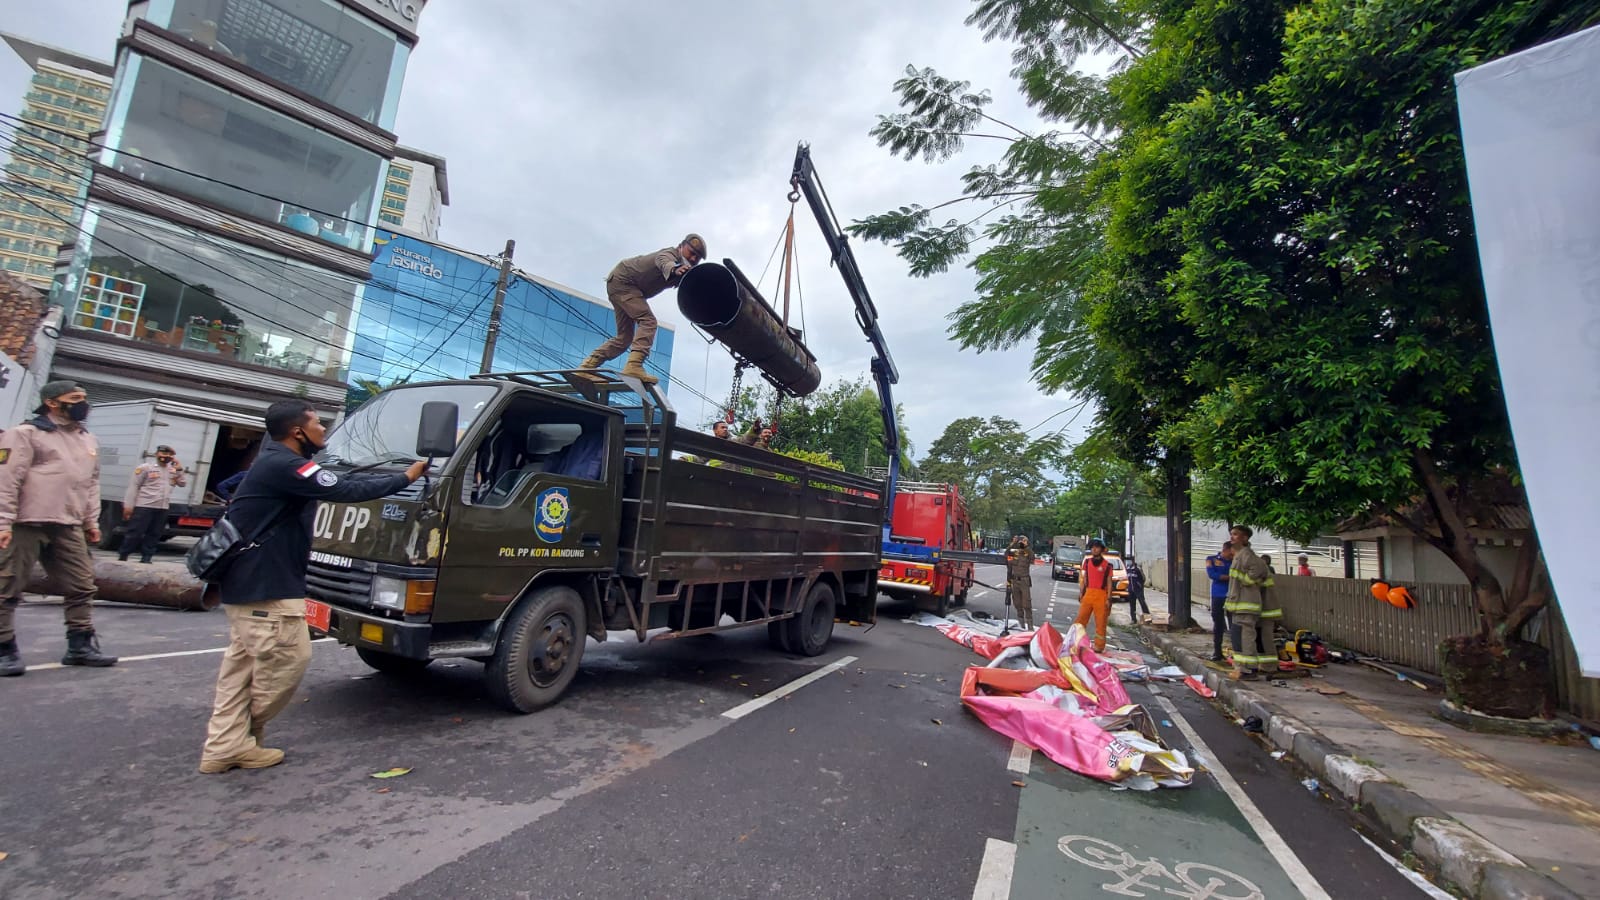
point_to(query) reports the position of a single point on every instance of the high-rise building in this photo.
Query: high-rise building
(48, 164)
(415, 194)
(227, 231)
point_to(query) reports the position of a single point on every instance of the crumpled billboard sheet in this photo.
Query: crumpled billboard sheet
(1072, 708)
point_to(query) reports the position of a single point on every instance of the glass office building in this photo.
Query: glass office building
(425, 313)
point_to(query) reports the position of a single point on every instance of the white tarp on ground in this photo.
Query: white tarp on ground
(1531, 131)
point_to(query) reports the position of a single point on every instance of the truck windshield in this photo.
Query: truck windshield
(385, 427)
(1069, 555)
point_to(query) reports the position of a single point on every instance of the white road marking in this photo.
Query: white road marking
(745, 709)
(994, 875)
(1423, 884)
(1287, 860)
(1021, 758)
(172, 655)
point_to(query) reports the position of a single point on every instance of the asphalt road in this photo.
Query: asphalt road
(869, 781)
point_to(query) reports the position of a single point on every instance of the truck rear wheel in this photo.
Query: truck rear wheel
(539, 650)
(390, 664)
(941, 607)
(810, 631)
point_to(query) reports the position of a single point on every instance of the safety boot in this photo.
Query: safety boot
(83, 649)
(10, 660)
(635, 368)
(594, 361)
(254, 758)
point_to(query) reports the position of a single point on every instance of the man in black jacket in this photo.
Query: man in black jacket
(263, 591)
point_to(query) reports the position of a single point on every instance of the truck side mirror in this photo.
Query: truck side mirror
(436, 433)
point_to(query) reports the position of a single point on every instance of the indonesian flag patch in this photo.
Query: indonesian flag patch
(308, 470)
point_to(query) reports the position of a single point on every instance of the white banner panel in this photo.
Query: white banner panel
(1531, 131)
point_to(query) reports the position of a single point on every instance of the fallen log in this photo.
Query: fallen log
(167, 585)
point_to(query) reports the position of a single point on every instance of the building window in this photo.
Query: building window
(396, 189)
(399, 172)
(207, 295)
(315, 46)
(391, 203)
(240, 156)
(391, 219)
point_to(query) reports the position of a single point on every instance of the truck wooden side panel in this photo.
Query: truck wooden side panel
(719, 511)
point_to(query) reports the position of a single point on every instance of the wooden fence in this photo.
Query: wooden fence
(1345, 612)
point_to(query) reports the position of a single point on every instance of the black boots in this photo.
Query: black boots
(83, 649)
(10, 660)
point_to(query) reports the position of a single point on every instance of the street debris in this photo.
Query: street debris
(1254, 725)
(383, 790)
(1312, 785)
(936, 721)
(1170, 673)
(1278, 754)
(1013, 784)
(1199, 687)
(1594, 742)
(390, 773)
(1069, 703)
(1330, 691)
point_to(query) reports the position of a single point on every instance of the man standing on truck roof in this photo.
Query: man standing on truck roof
(629, 287)
(50, 512)
(1019, 579)
(264, 590)
(144, 506)
(1094, 592)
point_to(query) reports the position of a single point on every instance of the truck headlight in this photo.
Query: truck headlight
(389, 593)
(410, 596)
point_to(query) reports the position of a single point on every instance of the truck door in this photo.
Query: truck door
(540, 492)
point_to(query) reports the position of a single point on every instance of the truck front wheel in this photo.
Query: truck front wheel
(539, 650)
(390, 664)
(810, 631)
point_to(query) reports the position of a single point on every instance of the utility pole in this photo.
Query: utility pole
(1179, 543)
(499, 305)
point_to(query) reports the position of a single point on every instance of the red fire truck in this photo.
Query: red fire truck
(928, 519)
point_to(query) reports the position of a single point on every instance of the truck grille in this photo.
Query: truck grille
(343, 587)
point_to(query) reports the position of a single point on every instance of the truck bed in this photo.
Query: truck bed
(701, 509)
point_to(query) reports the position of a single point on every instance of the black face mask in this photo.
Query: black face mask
(77, 412)
(308, 447)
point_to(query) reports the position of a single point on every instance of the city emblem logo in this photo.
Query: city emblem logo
(550, 512)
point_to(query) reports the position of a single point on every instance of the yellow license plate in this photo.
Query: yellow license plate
(371, 632)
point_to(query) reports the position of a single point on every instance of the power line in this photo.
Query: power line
(81, 177)
(79, 229)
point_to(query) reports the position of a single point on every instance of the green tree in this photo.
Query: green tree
(1101, 491)
(841, 420)
(363, 389)
(1251, 244)
(1000, 470)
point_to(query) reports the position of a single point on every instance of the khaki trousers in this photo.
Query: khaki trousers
(268, 651)
(1095, 604)
(1022, 600)
(65, 554)
(632, 310)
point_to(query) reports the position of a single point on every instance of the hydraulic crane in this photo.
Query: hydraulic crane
(805, 182)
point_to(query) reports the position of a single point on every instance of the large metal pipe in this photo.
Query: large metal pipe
(160, 584)
(721, 300)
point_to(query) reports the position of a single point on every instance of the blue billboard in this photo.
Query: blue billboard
(425, 313)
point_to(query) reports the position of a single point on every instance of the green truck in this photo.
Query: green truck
(562, 508)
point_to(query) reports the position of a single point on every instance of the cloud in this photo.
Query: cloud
(590, 132)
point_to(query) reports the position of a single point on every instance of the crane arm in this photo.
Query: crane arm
(805, 182)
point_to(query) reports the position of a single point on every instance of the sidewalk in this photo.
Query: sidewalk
(1498, 816)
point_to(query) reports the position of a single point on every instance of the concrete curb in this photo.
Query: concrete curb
(1462, 856)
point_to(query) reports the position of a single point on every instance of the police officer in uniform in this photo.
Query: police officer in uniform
(629, 287)
(50, 513)
(263, 591)
(1019, 578)
(144, 507)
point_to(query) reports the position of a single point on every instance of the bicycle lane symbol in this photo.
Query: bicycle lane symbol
(1151, 877)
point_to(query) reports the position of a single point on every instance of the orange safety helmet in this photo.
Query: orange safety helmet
(1380, 591)
(1400, 598)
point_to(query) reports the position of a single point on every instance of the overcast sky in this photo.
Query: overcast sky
(594, 131)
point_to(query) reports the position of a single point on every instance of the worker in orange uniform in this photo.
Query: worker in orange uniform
(1094, 592)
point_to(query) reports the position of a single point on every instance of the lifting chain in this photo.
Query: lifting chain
(733, 396)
